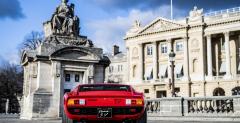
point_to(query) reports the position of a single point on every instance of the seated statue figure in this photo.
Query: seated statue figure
(63, 20)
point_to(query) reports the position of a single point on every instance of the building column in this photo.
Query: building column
(140, 62)
(155, 66)
(169, 48)
(186, 59)
(209, 55)
(227, 53)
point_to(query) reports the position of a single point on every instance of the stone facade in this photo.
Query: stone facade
(64, 60)
(116, 71)
(207, 54)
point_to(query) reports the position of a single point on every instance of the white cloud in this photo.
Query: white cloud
(107, 32)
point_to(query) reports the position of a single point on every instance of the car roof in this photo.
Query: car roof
(106, 84)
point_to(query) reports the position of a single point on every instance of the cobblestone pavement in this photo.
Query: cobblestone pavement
(58, 121)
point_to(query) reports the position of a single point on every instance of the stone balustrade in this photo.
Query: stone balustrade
(207, 107)
(211, 106)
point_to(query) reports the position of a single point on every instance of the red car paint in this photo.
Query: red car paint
(114, 101)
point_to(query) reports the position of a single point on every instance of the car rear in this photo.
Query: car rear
(104, 102)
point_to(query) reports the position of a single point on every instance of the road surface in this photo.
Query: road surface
(51, 121)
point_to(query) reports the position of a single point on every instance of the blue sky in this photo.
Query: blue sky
(103, 21)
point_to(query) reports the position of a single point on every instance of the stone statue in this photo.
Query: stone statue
(64, 21)
(196, 12)
(136, 24)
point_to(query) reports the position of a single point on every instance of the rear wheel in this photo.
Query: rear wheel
(143, 119)
(65, 119)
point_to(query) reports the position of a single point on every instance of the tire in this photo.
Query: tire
(65, 119)
(143, 119)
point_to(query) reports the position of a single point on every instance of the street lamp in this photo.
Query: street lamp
(172, 60)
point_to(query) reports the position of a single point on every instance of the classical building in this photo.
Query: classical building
(207, 58)
(64, 60)
(116, 71)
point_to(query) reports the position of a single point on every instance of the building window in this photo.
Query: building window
(120, 68)
(179, 70)
(76, 78)
(146, 91)
(236, 91)
(149, 50)
(177, 90)
(163, 71)
(110, 69)
(164, 48)
(218, 92)
(161, 94)
(67, 77)
(149, 73)
(179, 46)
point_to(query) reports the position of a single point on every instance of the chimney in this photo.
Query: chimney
(115, 50)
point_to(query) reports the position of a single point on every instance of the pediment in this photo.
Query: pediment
(160, 24)
(75, 54)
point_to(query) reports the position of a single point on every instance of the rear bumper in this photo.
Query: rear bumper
(115, 117)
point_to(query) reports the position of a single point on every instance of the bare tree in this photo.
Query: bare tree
(32, 41)
(11, 84)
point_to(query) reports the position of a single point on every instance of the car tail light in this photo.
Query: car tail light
(139, 101)
(82, 102)
(70, 102)
(134, 101)
(128, 101)
(76, 102)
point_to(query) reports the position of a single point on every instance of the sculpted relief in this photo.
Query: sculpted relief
(194, 44)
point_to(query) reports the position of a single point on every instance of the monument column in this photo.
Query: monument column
(155, 66)
(140, 62)
(227, 53)
(209, 55)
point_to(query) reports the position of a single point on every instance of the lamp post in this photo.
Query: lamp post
(172, 60)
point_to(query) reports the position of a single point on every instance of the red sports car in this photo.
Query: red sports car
(104, 103)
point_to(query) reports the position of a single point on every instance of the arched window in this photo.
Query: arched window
(218, 92)
(134, 71)
(236, 91)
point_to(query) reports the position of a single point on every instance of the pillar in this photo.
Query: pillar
(227, 54)
(209, 55)
(155, 66)
(140, 62)
(186, 59)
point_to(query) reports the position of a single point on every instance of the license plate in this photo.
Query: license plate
(104, 113)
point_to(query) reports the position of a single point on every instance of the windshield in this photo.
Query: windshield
(104, 88)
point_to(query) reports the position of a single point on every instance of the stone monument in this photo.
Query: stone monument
(64, 60)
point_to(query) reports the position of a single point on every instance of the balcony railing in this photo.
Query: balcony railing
(221, 12)
(232, 12)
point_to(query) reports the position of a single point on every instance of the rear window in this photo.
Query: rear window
(104, 88)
